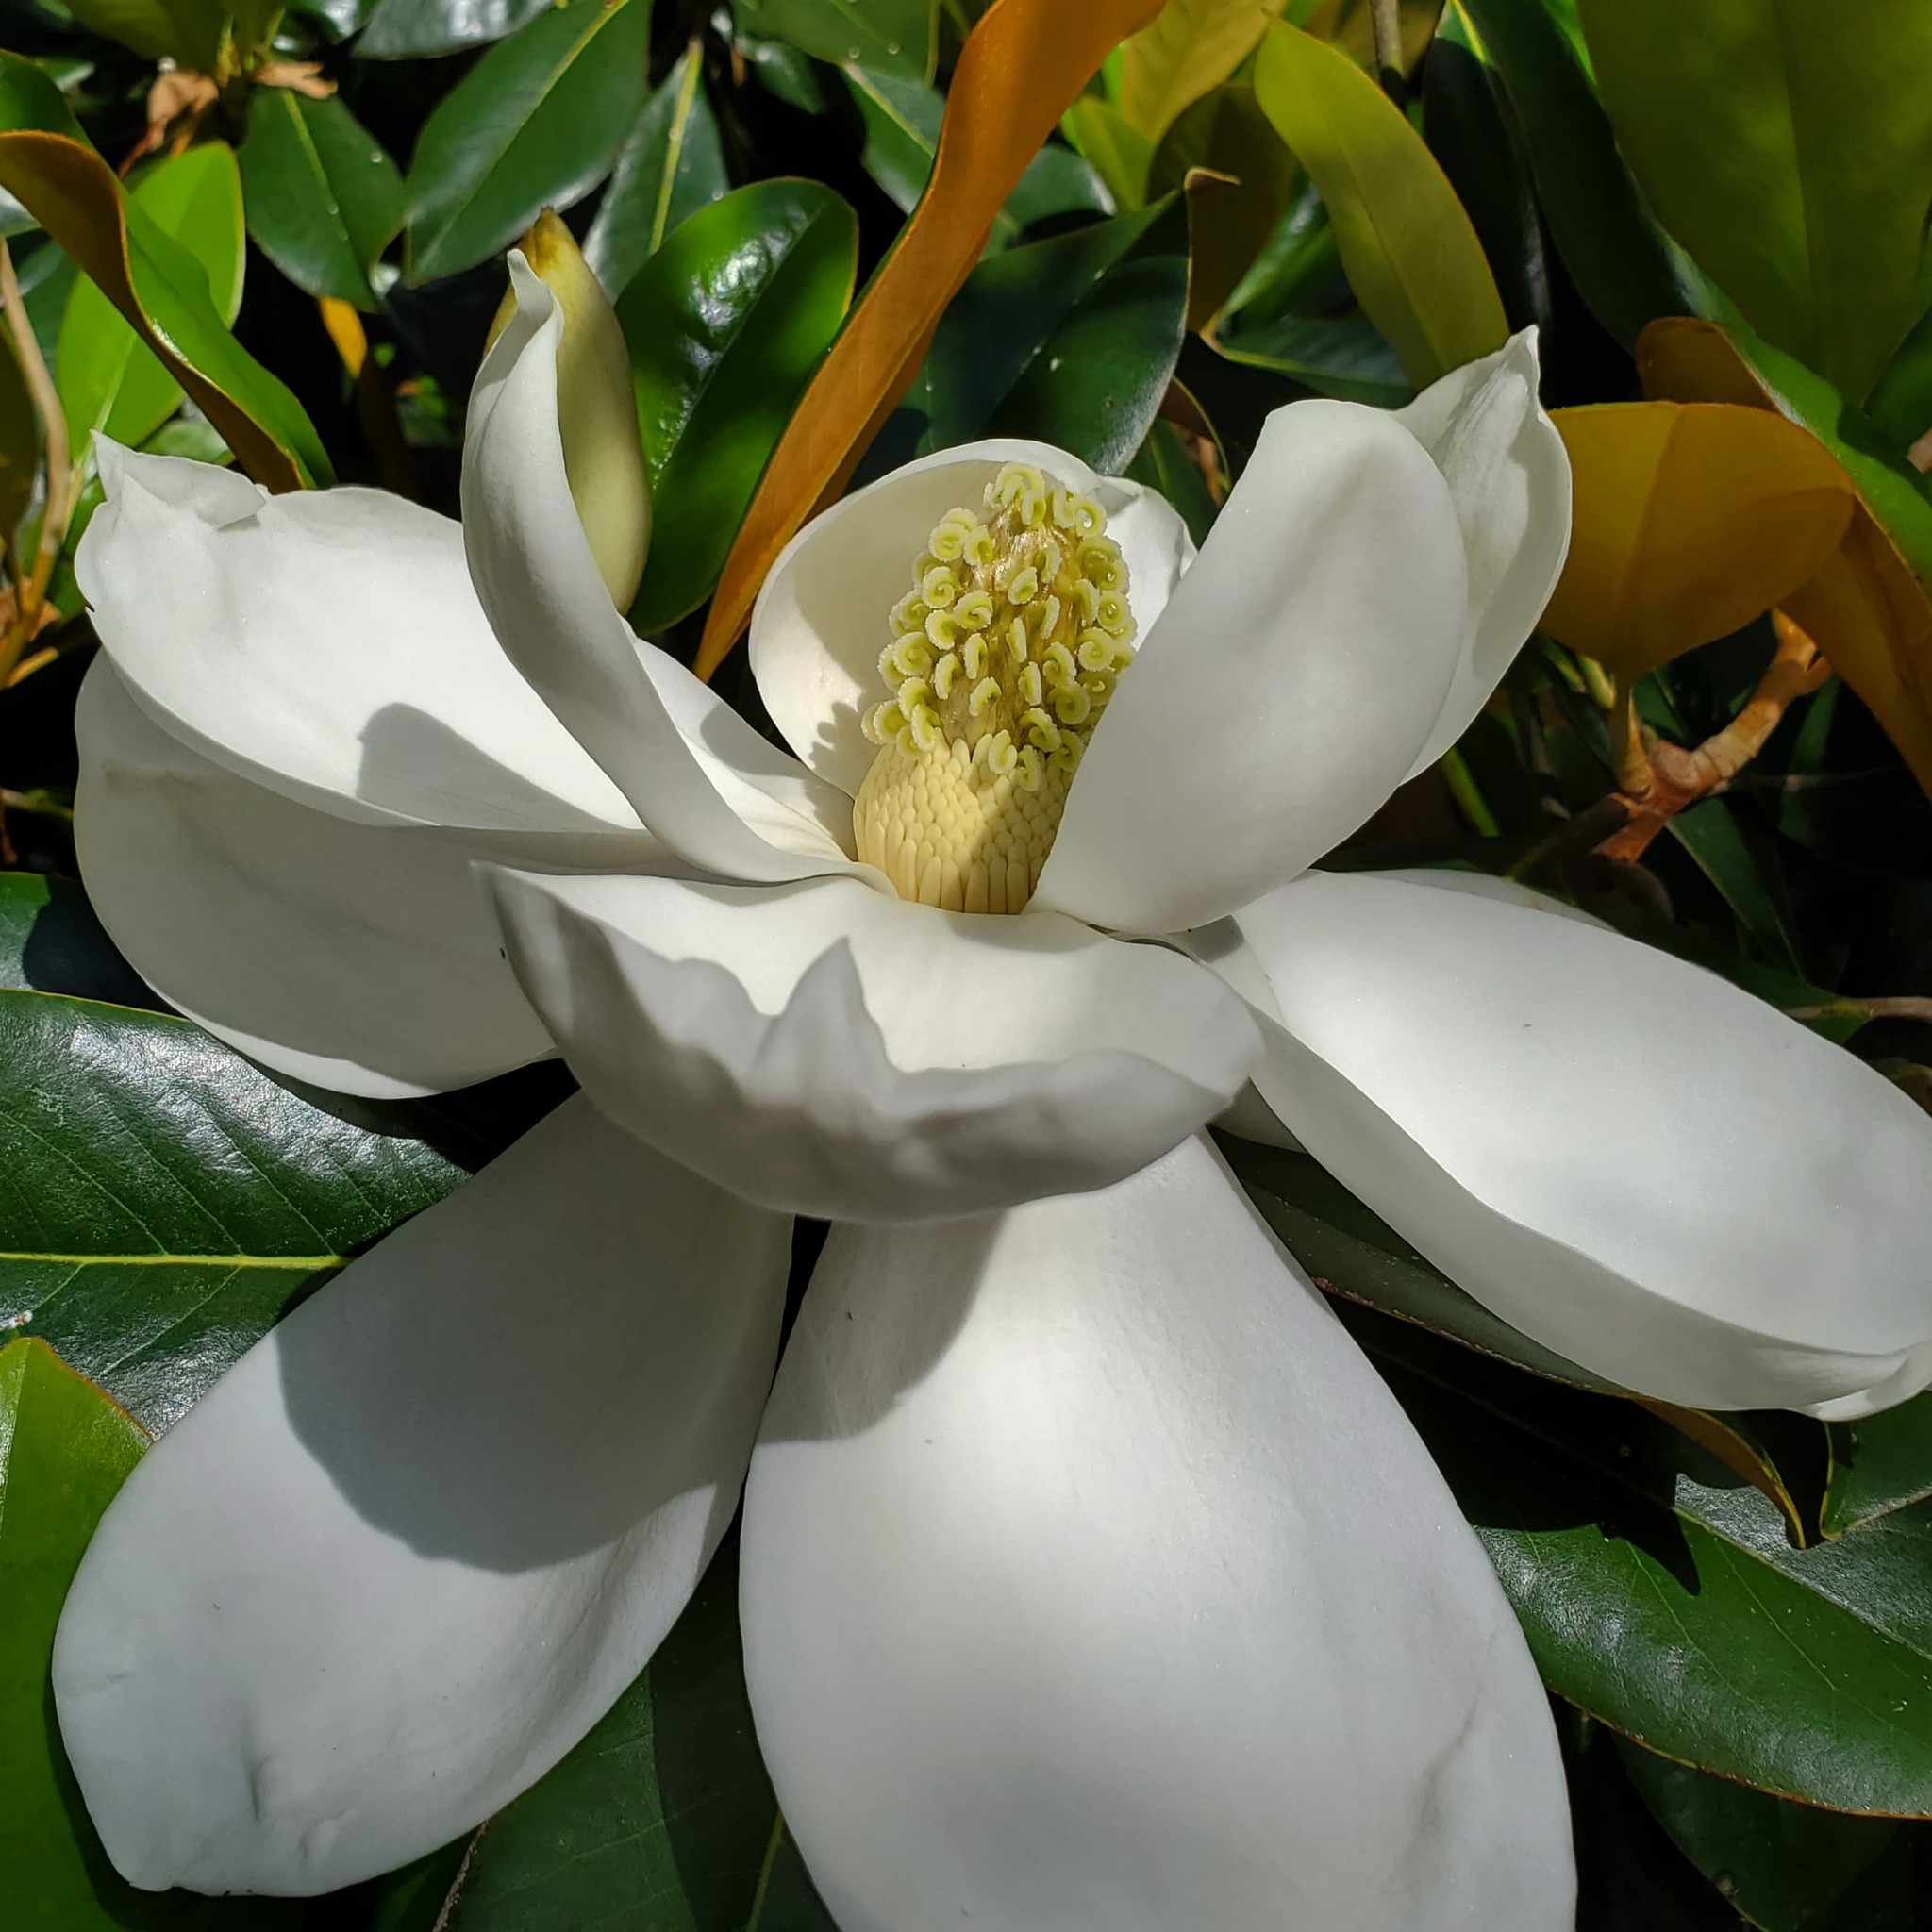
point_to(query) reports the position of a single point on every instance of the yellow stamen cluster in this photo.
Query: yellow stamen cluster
(1004, 655)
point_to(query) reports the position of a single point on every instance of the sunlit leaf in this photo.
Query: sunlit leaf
(157, 286)
(1021, 66)
(1116, 150)
(1788, 147)
(1689, 520)
(1191, 47)
(1413, 257)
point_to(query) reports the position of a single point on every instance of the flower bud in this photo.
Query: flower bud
(597, 407)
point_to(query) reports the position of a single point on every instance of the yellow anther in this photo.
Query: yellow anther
(974, 610)
(965, 794)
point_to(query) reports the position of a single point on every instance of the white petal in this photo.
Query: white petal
(357, 956)
(834, 1050)
(417, 1541)
(1509, 475)
(819, 621)
(699, 776)
(325, 644)
(1094, 1581)
(1287, 687)
(1634, 1162)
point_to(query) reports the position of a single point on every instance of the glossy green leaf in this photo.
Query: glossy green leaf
(50, 942)
(535, 124)
(1343, 356)
(153, 281)
(1879, 1464)
(671, 164)
(324, 199)
(1788, 147)
(895, 37)
(1900, 405)
(1118, 152)
(1071, 340)
(1778, 1863)
(162, 1202)
(1413, 257)
(143, 25)
(108, 378)
(725, 324)
(664, 1807)
(1162, 463)
(1622, 262)
(418, 30)
(902, 135)
(20, 443)
(1661, 1592)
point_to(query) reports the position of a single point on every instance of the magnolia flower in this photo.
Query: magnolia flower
(1091, 1578)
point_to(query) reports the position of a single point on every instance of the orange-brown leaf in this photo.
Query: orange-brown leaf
(1021, 67)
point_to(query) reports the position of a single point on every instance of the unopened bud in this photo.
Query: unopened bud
(596, 408)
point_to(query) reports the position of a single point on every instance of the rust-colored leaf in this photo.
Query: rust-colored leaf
(1021, 67)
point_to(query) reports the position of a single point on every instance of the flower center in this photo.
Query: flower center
(1004, 655)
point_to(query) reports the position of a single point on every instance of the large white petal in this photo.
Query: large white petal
(1509, 475)
(830, 1049)
(358, 956)
(1093, 1581)
(325, 644)
(819, 621)
(1285, 691)
(417, 1541)
(1639, 1164)
(700, 777)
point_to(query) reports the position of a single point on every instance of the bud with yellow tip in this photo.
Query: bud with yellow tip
(597, 407)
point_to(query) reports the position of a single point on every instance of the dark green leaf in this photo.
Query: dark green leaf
(141, 25)
(324, 199)
(50, 942)
(889, 36)
(1622, 262)
(416, 29)
(1071, 340)
(1736, 116)
(162, 1202)
(1879, 1464)
(1342, 356)
(535, 124)
(902, 133)
(1162, 463)
(725, 324)
(1900, 405)
(1723, 848)
(1661, 1592)
(665, 1806)
(64, 1450)
(1778, 1863)
(671, 164)
(108, 378)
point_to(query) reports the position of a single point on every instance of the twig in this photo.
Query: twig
(59, 496)
(1387, 16)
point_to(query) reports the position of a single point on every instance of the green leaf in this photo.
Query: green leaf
(1413, 257)
(1778, 1863)
(162, 1202)
(1071, 340)
(902, 135)
(20, 443)
(1723, 848)
(1787, 146)
(141, 25)
(895, 37)
(665, 1806)
(1900, 405)
(1118, 152)
(108, 378)
(420, 29)
(1622, 262)
(50, 942)
(672, 163)
(324, 199)
(725, 324)
(65, 1449)
(1162, 463)
(1879, 1464)
(1189, 47)
(1661, 1594)
(155, 283)
(1343, 356)
(535, 124)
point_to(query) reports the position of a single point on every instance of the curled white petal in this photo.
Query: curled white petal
(1092, 1579)
(417, 1541)
(830, 1049)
